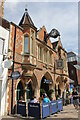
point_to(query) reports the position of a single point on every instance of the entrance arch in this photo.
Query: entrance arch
(20, 91)
(46, 84)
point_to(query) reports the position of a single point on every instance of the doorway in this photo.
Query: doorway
(44, 86)
(20, 91)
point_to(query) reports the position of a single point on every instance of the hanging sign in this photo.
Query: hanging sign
(15, 75)
(7, 63)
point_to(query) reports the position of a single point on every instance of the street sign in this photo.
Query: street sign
(7, 63)
(15, 75)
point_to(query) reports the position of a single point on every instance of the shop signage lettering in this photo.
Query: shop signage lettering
(34, 106)
(45, 105)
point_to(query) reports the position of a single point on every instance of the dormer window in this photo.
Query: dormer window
(26, 44)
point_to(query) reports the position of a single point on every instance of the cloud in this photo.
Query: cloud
(60, 15)
(43, 1)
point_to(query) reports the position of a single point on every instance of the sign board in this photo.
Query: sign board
(60, 105)
(7, 63)
(21, 108)
(54, 106)
(34, 110)
(15, 75)
(45, 110)
(59, 64)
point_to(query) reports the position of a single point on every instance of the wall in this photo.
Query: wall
(5, 35)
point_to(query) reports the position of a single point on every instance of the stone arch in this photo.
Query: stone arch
(35, 85)
(59, 86)
(48, 76)
(46, 83)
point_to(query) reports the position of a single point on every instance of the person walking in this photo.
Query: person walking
(75, 98)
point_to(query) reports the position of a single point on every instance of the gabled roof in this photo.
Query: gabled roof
(4, 23)
(54, 44)
(26, 19)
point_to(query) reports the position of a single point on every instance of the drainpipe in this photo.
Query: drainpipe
(12, 72)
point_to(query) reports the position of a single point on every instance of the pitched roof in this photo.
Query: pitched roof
(4, 23)
(26, 19)
(54, 44)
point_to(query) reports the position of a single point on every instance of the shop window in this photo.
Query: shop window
(26, 44)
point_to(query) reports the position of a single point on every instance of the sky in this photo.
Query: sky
(60, 15)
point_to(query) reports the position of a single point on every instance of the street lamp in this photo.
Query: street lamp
(53, 33)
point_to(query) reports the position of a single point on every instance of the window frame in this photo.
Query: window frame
(26, 35)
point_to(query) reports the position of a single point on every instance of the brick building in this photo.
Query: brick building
(42, 65)
(72, 61)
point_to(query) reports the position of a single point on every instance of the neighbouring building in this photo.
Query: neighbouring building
(4, 38)
(42, 65)
(72, 62)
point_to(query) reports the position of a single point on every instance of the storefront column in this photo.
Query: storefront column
(37, 92)
(56, 90)
(25, 93)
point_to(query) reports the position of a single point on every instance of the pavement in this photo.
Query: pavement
(68, 113)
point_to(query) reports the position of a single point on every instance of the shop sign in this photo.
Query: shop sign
(47, 81)
(15, 75)
(59, 64)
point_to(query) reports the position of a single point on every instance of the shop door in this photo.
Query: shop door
(44, 86)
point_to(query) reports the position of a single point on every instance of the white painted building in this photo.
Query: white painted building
(4, 37)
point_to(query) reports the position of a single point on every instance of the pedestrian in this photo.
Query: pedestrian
(33, 100)
(46, 99)
(75, 98)
(21, 99)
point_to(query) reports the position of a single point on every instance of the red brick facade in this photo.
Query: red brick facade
(31, 68)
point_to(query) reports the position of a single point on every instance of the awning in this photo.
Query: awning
(47, 81)
(77, 66)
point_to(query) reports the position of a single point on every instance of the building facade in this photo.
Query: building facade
(42, 64)
(4, 38)
(72, 61)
